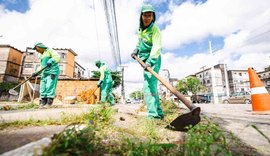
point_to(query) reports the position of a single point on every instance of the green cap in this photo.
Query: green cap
(98, 63)
(147, 8)
(40, 45)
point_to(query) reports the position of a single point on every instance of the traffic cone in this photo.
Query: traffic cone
(259, 96)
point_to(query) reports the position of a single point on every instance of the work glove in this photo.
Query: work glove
(49, 64)
(145, 66)
(134, 53)
(99, 83)
(34, 75)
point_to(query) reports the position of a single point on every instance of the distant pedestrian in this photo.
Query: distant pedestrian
(148, 50)
(106, 83)
(49, 58)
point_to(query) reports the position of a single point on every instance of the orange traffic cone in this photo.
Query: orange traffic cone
(259, 95)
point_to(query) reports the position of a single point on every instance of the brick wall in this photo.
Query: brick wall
(67, 87)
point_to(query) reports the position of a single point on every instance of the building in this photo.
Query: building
(79, 71)
(163, 91)
(69, 68)
(10, 63)
(265, 78)
(219, 74)
(238, 81)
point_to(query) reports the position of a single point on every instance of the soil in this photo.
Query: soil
(13, 138)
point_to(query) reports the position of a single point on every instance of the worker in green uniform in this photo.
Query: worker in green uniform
(148, 50)
(49, 58)
(106, 83)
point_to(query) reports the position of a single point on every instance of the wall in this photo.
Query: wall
(70, 64)
(67, 87)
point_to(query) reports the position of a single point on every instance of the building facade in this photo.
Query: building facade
(265, 78)
(219, 76)
(10, 63)
(238, 81)
(68, 67)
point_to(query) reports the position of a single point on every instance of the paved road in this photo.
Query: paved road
(239, 119)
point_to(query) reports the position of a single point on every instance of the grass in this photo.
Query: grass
(93, 133)
(100, 136)
(65, 119)
(20, 107)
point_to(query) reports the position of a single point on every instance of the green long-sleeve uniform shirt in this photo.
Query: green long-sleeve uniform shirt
(149, 46)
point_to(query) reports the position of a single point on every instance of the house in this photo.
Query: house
(69, 68)
(10, 63)
(79, 71)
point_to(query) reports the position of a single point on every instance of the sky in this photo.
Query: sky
(239, 32)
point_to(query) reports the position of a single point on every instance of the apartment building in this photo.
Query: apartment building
(69, 68)
(238, 80)
(265, 77)
(219, 75)
(10, 63)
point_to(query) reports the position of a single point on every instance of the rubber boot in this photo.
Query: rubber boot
(43, 101)
(50, 101)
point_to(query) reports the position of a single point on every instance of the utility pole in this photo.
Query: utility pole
(123, 97)
(226, 80)
(213, 78)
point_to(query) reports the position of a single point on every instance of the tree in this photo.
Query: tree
(116, 76)
(136, 95)
(190, 84)
(267, 69)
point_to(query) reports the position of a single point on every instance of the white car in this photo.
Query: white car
(238, 98)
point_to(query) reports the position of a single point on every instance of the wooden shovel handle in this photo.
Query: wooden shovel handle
(167, 85)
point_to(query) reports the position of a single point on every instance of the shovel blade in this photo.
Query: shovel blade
(182, 122)
(13, 92)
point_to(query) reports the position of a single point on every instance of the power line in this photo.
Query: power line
(109, 8)
(97, 37)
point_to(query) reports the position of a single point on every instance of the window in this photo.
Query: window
(63, 55)
(240, 74)
(37, 67)
(28, 66)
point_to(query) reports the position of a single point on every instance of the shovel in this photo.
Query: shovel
(183, 121)
(14, 92)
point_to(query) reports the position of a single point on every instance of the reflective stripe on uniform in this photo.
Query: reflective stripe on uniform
(258, 90)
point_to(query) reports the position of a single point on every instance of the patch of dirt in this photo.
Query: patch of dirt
(13, 138)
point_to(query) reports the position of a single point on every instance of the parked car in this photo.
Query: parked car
(238, 98)
(200, 99)
(128, 101)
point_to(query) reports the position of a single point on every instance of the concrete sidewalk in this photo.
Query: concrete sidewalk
(43, 114)
(240, 120)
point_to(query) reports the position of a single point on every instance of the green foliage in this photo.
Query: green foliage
(20, 107)
(190, 84)
(136, 95)
(134, 147)
(206, 139)
(116, 76)
(76, 140)
(267, 69)
(6, 86)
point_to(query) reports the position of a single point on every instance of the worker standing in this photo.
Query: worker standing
(49, 58)
(148, 50)
(106, 83)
